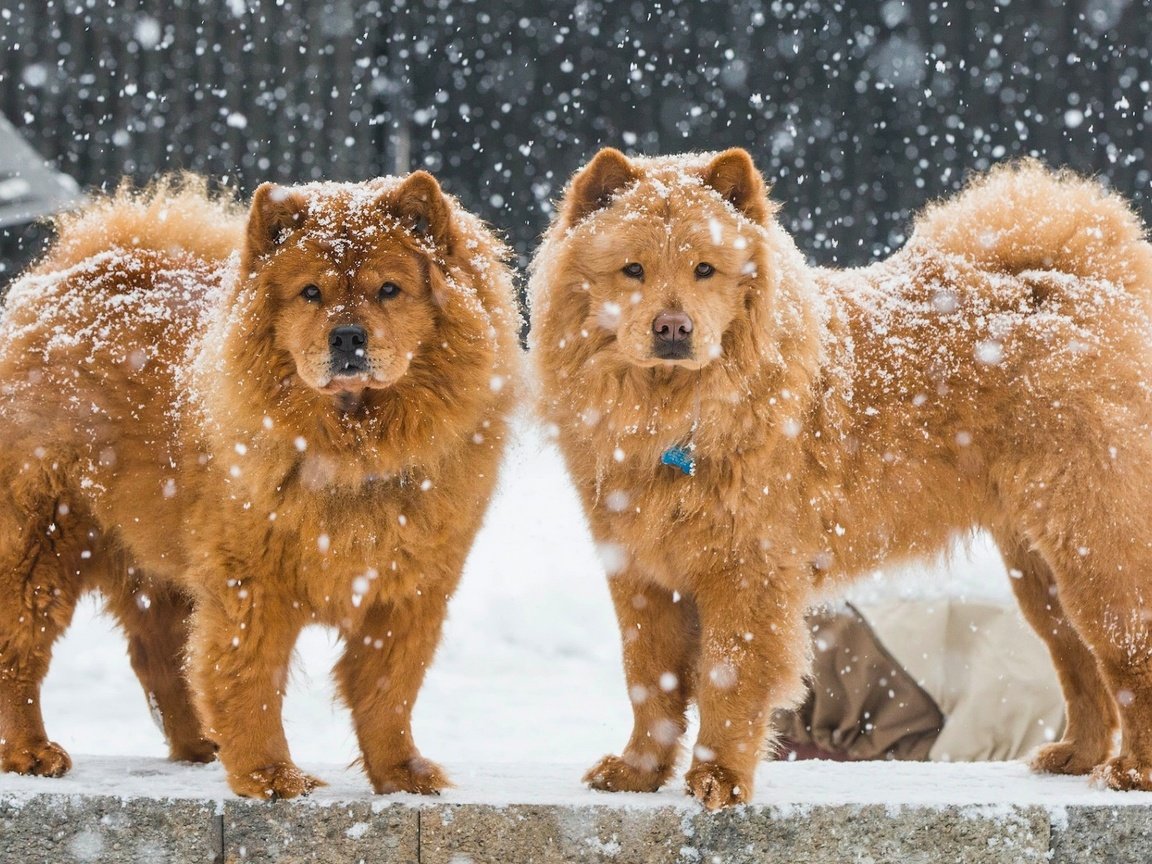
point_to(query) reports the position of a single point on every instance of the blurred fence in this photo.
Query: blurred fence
(858, 112)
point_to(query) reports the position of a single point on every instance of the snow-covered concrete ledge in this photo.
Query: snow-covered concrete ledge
(147, 811)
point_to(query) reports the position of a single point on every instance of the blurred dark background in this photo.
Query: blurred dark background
(857, 112)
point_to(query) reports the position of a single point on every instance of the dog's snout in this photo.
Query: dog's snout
(349, 349)
(672, 327)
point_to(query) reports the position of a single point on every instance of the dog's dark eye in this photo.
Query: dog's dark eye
(389, 290)
(311, 293)
(704, 270)
(634, 270)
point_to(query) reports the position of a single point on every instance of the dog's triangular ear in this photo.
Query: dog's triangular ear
(593, 187)
(276, 212)
(733, 174)
(420, 204)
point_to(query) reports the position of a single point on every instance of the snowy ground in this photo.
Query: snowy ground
(528, 671)
(786, 785)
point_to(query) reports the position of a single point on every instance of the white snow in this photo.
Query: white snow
(527, 690)
(985, 787)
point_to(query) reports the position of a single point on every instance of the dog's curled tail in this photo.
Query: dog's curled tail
(172, 214)
(1024, 216)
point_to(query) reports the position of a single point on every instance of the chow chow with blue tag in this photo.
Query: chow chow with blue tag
(749, 433)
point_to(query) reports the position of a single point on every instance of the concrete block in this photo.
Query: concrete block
(295, 832)
(1101, 835)
(103, 829)
(869, 834)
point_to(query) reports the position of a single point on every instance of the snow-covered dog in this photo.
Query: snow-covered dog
(286, 419)
(748, 431)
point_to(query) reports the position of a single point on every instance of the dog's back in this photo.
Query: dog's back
(94, 338)
(121, 266)
(1023, 217)
(128, 273)
(172, 214)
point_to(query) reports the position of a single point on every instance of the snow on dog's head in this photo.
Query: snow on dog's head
(370, 318)
(663, 254)
(346, 270)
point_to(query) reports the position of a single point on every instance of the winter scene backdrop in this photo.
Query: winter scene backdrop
(857, 113)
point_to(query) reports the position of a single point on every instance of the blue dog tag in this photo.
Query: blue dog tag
(679, 457)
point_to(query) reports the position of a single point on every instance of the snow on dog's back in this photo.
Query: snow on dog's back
(174, 213)
(1024, 216)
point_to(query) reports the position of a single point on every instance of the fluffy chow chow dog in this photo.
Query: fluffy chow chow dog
(748, 431)
(305, 431)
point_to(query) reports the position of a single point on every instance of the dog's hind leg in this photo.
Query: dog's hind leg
(379, 676)
(39, 585)
(1112, 609)
(660, 635)
(1095, 537)
(155, 617)
(1090, 708)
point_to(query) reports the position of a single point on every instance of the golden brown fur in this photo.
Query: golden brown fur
(991, 374)
(170, 434)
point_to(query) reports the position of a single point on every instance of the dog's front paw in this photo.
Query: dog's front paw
(1124, 773)
(1065, 757)
(274, 782)
(717, 787)
(418, 775)
(614, 774)
(44, 759)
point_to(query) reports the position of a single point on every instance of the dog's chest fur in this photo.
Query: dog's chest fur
(337, 550)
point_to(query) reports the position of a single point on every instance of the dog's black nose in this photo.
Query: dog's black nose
(348, 340)
(672, 327)
(348, 346)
